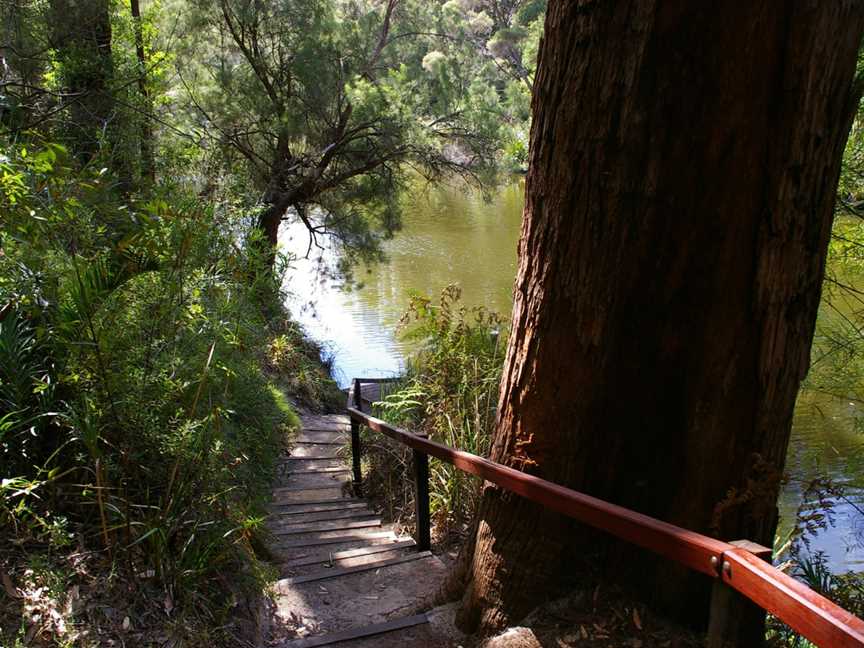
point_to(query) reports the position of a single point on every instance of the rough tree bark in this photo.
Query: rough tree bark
(148, 162)
(684, 161)
(81, 35)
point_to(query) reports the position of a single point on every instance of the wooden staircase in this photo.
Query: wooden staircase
(346, 577)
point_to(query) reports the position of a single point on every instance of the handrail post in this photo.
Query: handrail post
(355, 442)
(421, 500)
(358, 395)
(730, 610)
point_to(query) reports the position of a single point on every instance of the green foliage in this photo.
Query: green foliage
(490, 48)
(72, 72)
(838, 349)
(139, 405)
(327, 106)
(450, 393)
(26, 390)
(846, 590)
(147, 368)
(299, 362)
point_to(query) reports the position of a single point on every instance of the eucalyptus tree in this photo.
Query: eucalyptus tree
(683, 168)
(505, 32)
(495, 42)
(329, 106)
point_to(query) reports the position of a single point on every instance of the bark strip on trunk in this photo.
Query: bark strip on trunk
(148, 162)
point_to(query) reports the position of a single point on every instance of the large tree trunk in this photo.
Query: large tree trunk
(81, 34)
(684, 161)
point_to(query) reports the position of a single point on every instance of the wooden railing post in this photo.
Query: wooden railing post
(730, 611)
(355, 442)
(421, 500)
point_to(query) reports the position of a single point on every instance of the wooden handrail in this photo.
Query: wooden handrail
(805, 611)
(811, 615)
(693, 550)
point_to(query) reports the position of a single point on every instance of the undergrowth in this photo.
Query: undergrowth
(148, 375)
(449, 392)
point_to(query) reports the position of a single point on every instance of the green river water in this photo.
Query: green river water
(452, 235)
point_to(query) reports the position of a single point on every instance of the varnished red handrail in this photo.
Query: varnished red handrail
(692, 549)
(808, 613)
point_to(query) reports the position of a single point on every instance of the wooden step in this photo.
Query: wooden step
(320, 527)
(284, 519)
(289, 570)
(281, 490)
(321, 436)
(314, 451)
(319, 507)
(317, 442)
(335, 556)
(288, 554)
(320, 471)
(303, 463)
(335, 538)
(345, 571)
(357, 633)
(298, 506)
(313, 480)
(310, 495)
(319, 423)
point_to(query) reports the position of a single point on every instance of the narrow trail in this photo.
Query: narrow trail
(346, 578)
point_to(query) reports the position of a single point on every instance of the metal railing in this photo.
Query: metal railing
(739, 566)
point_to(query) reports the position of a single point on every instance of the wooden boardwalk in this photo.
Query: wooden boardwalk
(350, 580)
(346, 577)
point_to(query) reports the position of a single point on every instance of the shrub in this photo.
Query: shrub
(140, 411)
(449, 392)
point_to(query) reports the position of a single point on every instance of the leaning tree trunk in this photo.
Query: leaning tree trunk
(268, 224)
(684, 161)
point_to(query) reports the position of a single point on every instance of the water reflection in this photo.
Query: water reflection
(453, 235)
(450, 235)
(825, 442)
